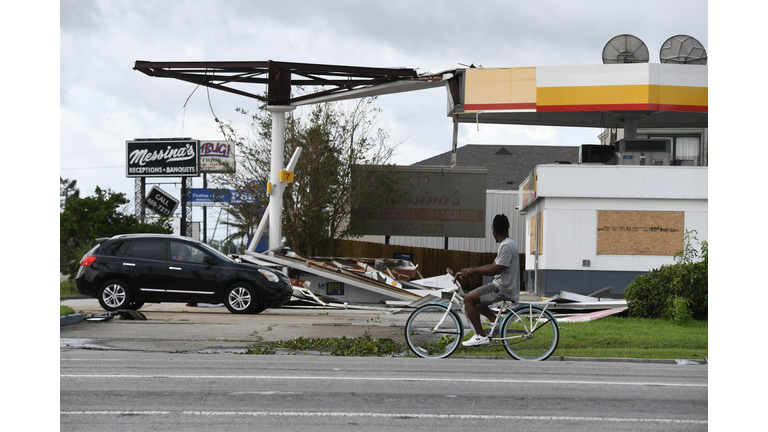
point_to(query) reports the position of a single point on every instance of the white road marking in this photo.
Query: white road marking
(389, 415)
(348, 378)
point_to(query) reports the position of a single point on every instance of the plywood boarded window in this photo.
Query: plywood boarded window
(535, 224)
(640, 232)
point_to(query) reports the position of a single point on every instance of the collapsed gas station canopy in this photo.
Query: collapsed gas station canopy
(335, 81)
(650, 95)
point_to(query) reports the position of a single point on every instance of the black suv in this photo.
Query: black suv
(126, 271)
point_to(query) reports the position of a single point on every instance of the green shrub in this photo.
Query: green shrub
(677, 292)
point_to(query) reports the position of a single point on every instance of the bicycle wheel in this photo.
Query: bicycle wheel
(530, 333)
(425, 340)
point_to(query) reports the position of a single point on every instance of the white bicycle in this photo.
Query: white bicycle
(528, 332)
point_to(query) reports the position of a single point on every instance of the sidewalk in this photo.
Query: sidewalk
(175, 327)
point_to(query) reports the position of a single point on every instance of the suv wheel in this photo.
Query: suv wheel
(114, 295)
(241, 299)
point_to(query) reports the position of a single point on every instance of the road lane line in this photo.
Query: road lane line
(348, 378)
(404, 416)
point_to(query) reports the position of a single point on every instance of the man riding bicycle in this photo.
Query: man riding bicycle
(505, 284)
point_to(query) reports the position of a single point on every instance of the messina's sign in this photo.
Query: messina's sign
(162, 158)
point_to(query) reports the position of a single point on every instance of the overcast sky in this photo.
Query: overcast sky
(104, 102)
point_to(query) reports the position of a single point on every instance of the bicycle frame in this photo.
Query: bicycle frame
(531, 327)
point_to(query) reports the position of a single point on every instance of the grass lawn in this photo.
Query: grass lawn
(611, 337)
(65, 310)
(623, 338)
(67, 289)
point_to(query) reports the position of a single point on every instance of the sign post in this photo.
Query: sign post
(215, 157)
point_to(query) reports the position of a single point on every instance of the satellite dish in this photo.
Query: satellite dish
(683, 49)
(625, 48)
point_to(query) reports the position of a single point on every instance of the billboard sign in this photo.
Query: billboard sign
(160, 202)
(440, 202)
(217, 156)
(162, 158)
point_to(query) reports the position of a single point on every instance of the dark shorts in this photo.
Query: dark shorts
(489, 295)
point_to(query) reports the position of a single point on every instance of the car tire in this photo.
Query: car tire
(114, 295)
(241, 298)
(259, 310)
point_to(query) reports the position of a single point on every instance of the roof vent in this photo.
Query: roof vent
(625, 48)
(503, 152)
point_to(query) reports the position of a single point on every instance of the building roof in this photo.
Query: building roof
(508, 165)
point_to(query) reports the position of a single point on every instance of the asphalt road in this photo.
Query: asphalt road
(128, 390)
(181, 370)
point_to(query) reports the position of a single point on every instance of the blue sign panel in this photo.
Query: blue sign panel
(239, 197)
(209, 197)
(334, 288)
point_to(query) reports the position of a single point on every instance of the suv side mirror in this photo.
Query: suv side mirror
(208, 260)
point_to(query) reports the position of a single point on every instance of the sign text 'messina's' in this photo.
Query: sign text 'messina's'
(170, 154)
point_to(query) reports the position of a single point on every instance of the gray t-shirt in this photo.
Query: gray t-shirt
(508, 281)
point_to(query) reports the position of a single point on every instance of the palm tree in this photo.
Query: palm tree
(243, 219)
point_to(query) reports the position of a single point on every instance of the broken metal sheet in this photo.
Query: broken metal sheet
(386, 287)
(99, 317)
(131, 314)
(602, 292)
(427, 300)
(397, 269)
(442, 282)
(591, 316)
(569, 300)
(122, 313)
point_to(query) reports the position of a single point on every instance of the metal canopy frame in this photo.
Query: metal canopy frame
(278, 76)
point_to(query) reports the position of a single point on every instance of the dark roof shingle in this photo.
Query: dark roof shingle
(508, 165)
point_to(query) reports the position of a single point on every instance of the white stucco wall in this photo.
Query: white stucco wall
(571, 196)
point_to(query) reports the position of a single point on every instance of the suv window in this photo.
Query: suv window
(117, 248)
(148, 248)
(186, 252)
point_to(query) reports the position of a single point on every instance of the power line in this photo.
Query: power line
(86, 168)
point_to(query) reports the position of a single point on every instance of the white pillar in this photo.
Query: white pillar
(276, 197)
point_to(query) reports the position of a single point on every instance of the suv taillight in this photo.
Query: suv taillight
(87, 261)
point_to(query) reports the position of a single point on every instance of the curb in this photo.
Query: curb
(70, 319)
(556, 358)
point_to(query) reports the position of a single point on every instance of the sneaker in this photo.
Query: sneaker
(476, 340)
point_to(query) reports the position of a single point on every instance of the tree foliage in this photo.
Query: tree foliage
(102, 215)
(68, 190)
(336, 140)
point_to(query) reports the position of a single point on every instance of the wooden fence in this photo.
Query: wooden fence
(431, 262)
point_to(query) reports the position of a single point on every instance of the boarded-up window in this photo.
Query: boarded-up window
(640, 232)
(536, 224)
